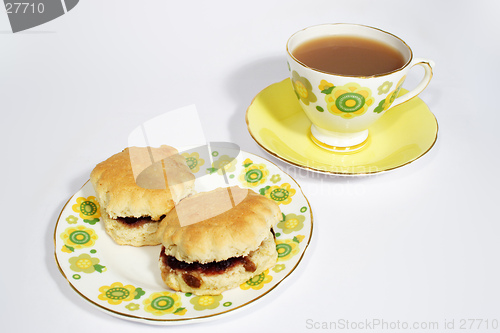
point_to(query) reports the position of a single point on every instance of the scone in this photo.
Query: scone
(135, 194)
(217, 240)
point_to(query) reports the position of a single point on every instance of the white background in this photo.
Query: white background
(417, 244)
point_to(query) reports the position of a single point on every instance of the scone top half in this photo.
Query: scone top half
(128, 184)
(218, 225)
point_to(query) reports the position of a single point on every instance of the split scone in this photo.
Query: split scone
(136, 188)
(217, 240)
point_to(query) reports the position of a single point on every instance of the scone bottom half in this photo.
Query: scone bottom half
(227, 247)
(215, 277)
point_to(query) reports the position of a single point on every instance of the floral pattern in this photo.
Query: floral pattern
(275, 178)
(303, 89)
(72, 219)
(287, 248)
(80, 253)
(254, 175)
(280, 194)
(291, 223)
(205, 302)
(161, 303)
(278, 268)
(224, 164)
(78, 237)
(386, 102)
(348, 101)
(258, 281)
(117, 293)
(384, 88)
(85, 263)
(193, 161)
(132, 306)
(326, 87)
(88, 208)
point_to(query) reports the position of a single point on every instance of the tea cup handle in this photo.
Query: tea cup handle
(428, 66)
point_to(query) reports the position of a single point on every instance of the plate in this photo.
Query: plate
(277, 123)
(125, 281)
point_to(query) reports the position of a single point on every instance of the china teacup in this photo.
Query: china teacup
(343, 103)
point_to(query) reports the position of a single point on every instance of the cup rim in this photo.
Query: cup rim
(410, 59)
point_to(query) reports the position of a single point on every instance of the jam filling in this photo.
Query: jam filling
(136, 221)
(211, 268)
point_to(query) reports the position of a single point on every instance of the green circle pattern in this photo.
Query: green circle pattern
(279, 194)
(191, 162)
(253, 176)
(287, 250)
(88, 208)
(75, 239)
(303, 209)
(340, 103)
(169, 302)
(256, 280)
(117, 293)
(227, 304)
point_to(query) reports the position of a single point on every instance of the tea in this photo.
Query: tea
(349, 55)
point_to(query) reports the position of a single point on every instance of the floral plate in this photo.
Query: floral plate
(125, 281)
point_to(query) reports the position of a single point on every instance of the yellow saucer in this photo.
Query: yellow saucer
(277, 123)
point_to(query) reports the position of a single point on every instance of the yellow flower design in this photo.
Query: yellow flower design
(161, 303)
(117, 293)
(83, 263)
(247, 161)
(88, 208)
(72, 219)
(275, 178)
(278, 268)
(224, 164)
(395, 93)
(205, 302)
(287, 248)
(254, 175)
(79, 237)
(258, 281)
(66, 249)
(384, 88)
(132, 306)
(303, 88)
(386, 103)
(349, 101)
(281, 194)
(300, 238)
(193, 161)
(324, 85)
(291, 223)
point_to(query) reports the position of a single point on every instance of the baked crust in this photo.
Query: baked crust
(226, 222)
(263, 258)
(118, 193)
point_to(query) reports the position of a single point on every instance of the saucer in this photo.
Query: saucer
(278, 124)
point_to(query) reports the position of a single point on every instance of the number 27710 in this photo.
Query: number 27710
(24, 7)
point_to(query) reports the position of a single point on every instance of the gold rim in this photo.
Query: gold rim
(410, 58)
(284, 159)
(144, 319)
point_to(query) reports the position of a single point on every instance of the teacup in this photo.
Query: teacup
(342, 107)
